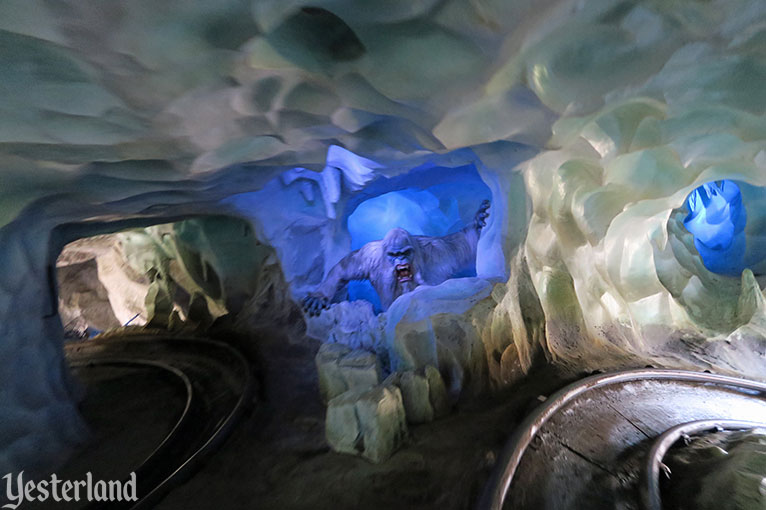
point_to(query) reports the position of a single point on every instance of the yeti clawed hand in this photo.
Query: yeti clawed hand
(313, 304)
(480, 221)
(400, 262)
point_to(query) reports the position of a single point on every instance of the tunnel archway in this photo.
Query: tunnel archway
(166, 275)
(165, 390)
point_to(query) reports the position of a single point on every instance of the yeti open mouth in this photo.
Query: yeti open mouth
(404, 272)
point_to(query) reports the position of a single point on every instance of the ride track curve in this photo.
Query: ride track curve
(588, 446)
(218, 385)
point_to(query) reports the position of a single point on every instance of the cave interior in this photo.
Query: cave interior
(202, 281)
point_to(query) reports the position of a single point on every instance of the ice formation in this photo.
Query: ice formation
(615, 258)
(717, 219)
(589, 123)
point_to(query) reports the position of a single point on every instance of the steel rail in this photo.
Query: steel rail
(220, 434)
(650, 489)
(190, 359)
(499, 484)
(155, 364)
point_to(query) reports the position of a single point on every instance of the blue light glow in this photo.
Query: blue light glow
(717, 219)
(433, 210)
(419, 212)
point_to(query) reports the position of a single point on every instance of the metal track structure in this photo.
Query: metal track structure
(218, 383)
(650, 488)
(598, 443)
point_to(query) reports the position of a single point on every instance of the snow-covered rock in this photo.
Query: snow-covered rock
(370, 423)
(341, 369)
(351, 323)
(423, 393)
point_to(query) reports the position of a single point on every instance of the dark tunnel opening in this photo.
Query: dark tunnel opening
(154, 273)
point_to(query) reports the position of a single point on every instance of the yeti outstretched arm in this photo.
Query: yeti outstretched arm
(357, 265)
(448, 255)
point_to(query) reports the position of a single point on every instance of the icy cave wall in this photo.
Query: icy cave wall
(156, 114)
(619, 275)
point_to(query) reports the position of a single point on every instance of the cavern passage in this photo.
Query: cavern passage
(189, 272)
(271, 254)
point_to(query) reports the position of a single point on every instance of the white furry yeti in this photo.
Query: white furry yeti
(400, 262)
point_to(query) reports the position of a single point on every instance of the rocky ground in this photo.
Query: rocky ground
(278, 458)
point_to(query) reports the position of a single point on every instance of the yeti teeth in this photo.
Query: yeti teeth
(403, 272)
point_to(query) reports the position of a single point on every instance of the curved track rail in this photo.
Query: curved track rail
(650, 489)
(218, 386)
(585, 448)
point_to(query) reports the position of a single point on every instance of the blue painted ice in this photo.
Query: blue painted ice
(436, 210)
(717, 219)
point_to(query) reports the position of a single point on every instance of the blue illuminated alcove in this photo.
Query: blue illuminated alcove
(429, 200)
(306, 214)
(717, 219)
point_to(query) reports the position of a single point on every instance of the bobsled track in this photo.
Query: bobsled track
(212, 380)
(599, 443)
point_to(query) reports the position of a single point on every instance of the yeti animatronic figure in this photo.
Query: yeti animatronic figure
(400, 262)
